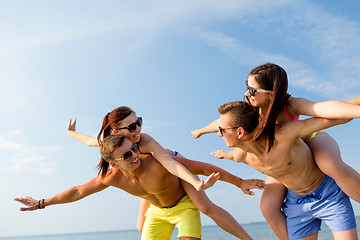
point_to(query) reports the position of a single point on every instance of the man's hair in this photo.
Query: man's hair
(244, 115)
(107, 147)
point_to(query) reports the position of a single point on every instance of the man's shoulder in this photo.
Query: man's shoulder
(110, 174)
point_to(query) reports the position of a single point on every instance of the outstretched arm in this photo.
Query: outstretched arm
(329, 109)
(86, 139)
(206, 169)
(221, 154)
(302, 128)
(71, 195)
(298, 129)
(212, 127)
(149, 145)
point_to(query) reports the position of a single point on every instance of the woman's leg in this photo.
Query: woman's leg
(327, 156)
(221, 217)
(346, 235)
(270, 205)
(313, 236)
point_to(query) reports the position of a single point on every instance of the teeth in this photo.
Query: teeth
(136, 160)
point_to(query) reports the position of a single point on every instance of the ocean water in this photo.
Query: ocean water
(258, 231)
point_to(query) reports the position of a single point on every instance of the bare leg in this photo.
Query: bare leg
(313, 236)
(346, 235)
(221, 217)
(271, 203)
(327, 156)
(189, 238)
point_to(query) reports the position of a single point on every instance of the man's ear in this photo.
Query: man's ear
(113, 164)
(241, 132)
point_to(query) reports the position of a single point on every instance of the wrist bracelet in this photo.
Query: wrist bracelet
(41, 204)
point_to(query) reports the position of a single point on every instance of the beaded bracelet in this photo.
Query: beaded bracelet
(41, 204)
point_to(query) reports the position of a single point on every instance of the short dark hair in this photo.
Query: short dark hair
(245, 115)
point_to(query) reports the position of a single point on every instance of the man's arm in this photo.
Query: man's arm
(212, 127)
(206, 169)
(221, 154)
(71, 195)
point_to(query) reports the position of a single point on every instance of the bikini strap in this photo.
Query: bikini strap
(287, 114)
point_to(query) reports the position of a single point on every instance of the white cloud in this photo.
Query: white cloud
(25, 158)
(331, 41)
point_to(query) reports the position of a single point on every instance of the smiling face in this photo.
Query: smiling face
(260, 99)
(129, 163)
(134, 137)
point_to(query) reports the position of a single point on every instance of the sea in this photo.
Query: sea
(258, 231)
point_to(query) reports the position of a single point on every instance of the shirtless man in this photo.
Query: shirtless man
(290, 161)
(143, 176)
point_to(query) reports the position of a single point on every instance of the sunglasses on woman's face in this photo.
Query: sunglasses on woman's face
(128, 155)
(253, 91)
(132, 127)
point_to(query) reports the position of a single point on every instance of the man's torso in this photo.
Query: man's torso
(154, 183)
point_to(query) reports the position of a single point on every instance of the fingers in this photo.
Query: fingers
(195, 134)
(248, 192)
(72, 125)
(260, 184)
(218, 154)
(254, 184)
(31, 203)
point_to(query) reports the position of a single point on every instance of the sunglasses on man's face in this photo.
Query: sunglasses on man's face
(128, 155)
(222, 130)
(132, 127)
(253, 91)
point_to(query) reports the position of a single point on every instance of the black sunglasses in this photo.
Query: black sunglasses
(132, 127)
(221, 130)
(253, 91)
(128, 155)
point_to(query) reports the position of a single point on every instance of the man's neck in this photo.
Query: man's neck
(258, 148)
(134, 174)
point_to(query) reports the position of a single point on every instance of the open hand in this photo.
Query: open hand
(31, 203)
(218, 154)
(209, 182)
(248, 184)
(196, 133)
(72, 125)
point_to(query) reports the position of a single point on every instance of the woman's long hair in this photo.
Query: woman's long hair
(270, 77)
(111, 121)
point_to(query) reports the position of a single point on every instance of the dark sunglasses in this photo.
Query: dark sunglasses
(132, 127)
(253, 91)
(128, 155)
(221, 130)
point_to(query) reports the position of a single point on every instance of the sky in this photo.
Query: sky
(174, 63)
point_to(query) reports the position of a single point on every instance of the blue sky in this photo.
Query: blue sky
(174, 63)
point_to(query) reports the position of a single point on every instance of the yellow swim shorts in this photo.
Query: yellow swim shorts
(160, 222)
